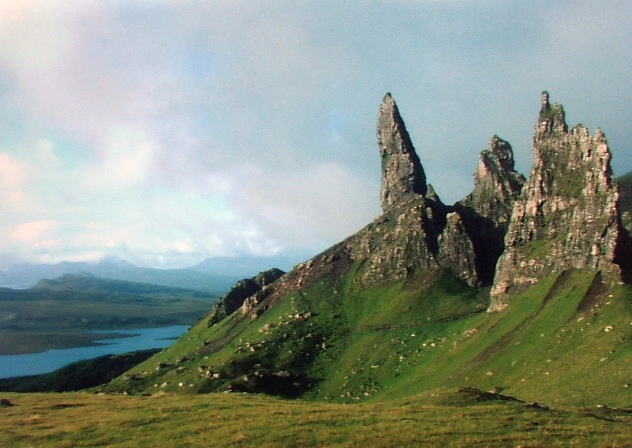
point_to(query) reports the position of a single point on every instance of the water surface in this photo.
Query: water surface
(131, 340)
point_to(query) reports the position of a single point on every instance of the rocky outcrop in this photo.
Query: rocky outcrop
(568, 214)
(457, 251)
(241, 292)
(409, 234)
(496, 184)
(403, 176)
(399, 242)
(416, 230)
(506, 233)
(486, 212)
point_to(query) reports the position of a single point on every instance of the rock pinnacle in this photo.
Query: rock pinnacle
(403, 176)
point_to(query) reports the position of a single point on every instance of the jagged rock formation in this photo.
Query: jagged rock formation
(457, 250)
(242, 291)
(403, 176)
(568, 213)
(486, 211)
(416, 230)
(496, 184)
(506, 232)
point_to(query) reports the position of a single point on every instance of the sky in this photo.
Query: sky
(166, 132)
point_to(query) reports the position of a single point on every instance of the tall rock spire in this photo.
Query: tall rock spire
(403, 176)
(567, 215)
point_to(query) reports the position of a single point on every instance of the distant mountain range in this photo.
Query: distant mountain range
(213, 275)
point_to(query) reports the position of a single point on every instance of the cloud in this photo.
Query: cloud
(31, 231)
(165, 132)
(10, 172)
(329, 215)
(126, 161)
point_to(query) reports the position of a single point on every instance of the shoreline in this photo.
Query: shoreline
(27, 343)
(105, 342)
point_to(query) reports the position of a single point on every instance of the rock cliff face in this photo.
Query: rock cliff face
(486, 211)
(403, 176)
(568, 213)
(244, 290)
(399, 242)
(416, 230)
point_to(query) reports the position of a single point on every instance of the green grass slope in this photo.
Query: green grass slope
(565, 341)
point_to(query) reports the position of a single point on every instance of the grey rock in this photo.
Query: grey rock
(506, 233)
(403, 176)
(244, 291)
(486, 211)
(568, 213)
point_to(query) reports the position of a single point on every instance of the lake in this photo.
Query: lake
(129, 341)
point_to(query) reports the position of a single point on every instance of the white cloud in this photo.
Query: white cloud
(10, 172)
(164, 132)
(127, 160)
(337, 203)
(30, 232)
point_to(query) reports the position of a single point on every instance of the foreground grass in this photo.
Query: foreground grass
(441, 419)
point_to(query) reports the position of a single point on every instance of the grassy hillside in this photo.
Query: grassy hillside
(59, 313)
(566, 341)
(78, 375)
(228, 420)
(556, 363)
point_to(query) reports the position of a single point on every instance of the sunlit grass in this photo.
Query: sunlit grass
(71, 420)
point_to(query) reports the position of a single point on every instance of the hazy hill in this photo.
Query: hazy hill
(61, 312)
(625, 201)
(245, 266)
(27, 275)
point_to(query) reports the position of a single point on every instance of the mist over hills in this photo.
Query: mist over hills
(213, 275)
(246, 266)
